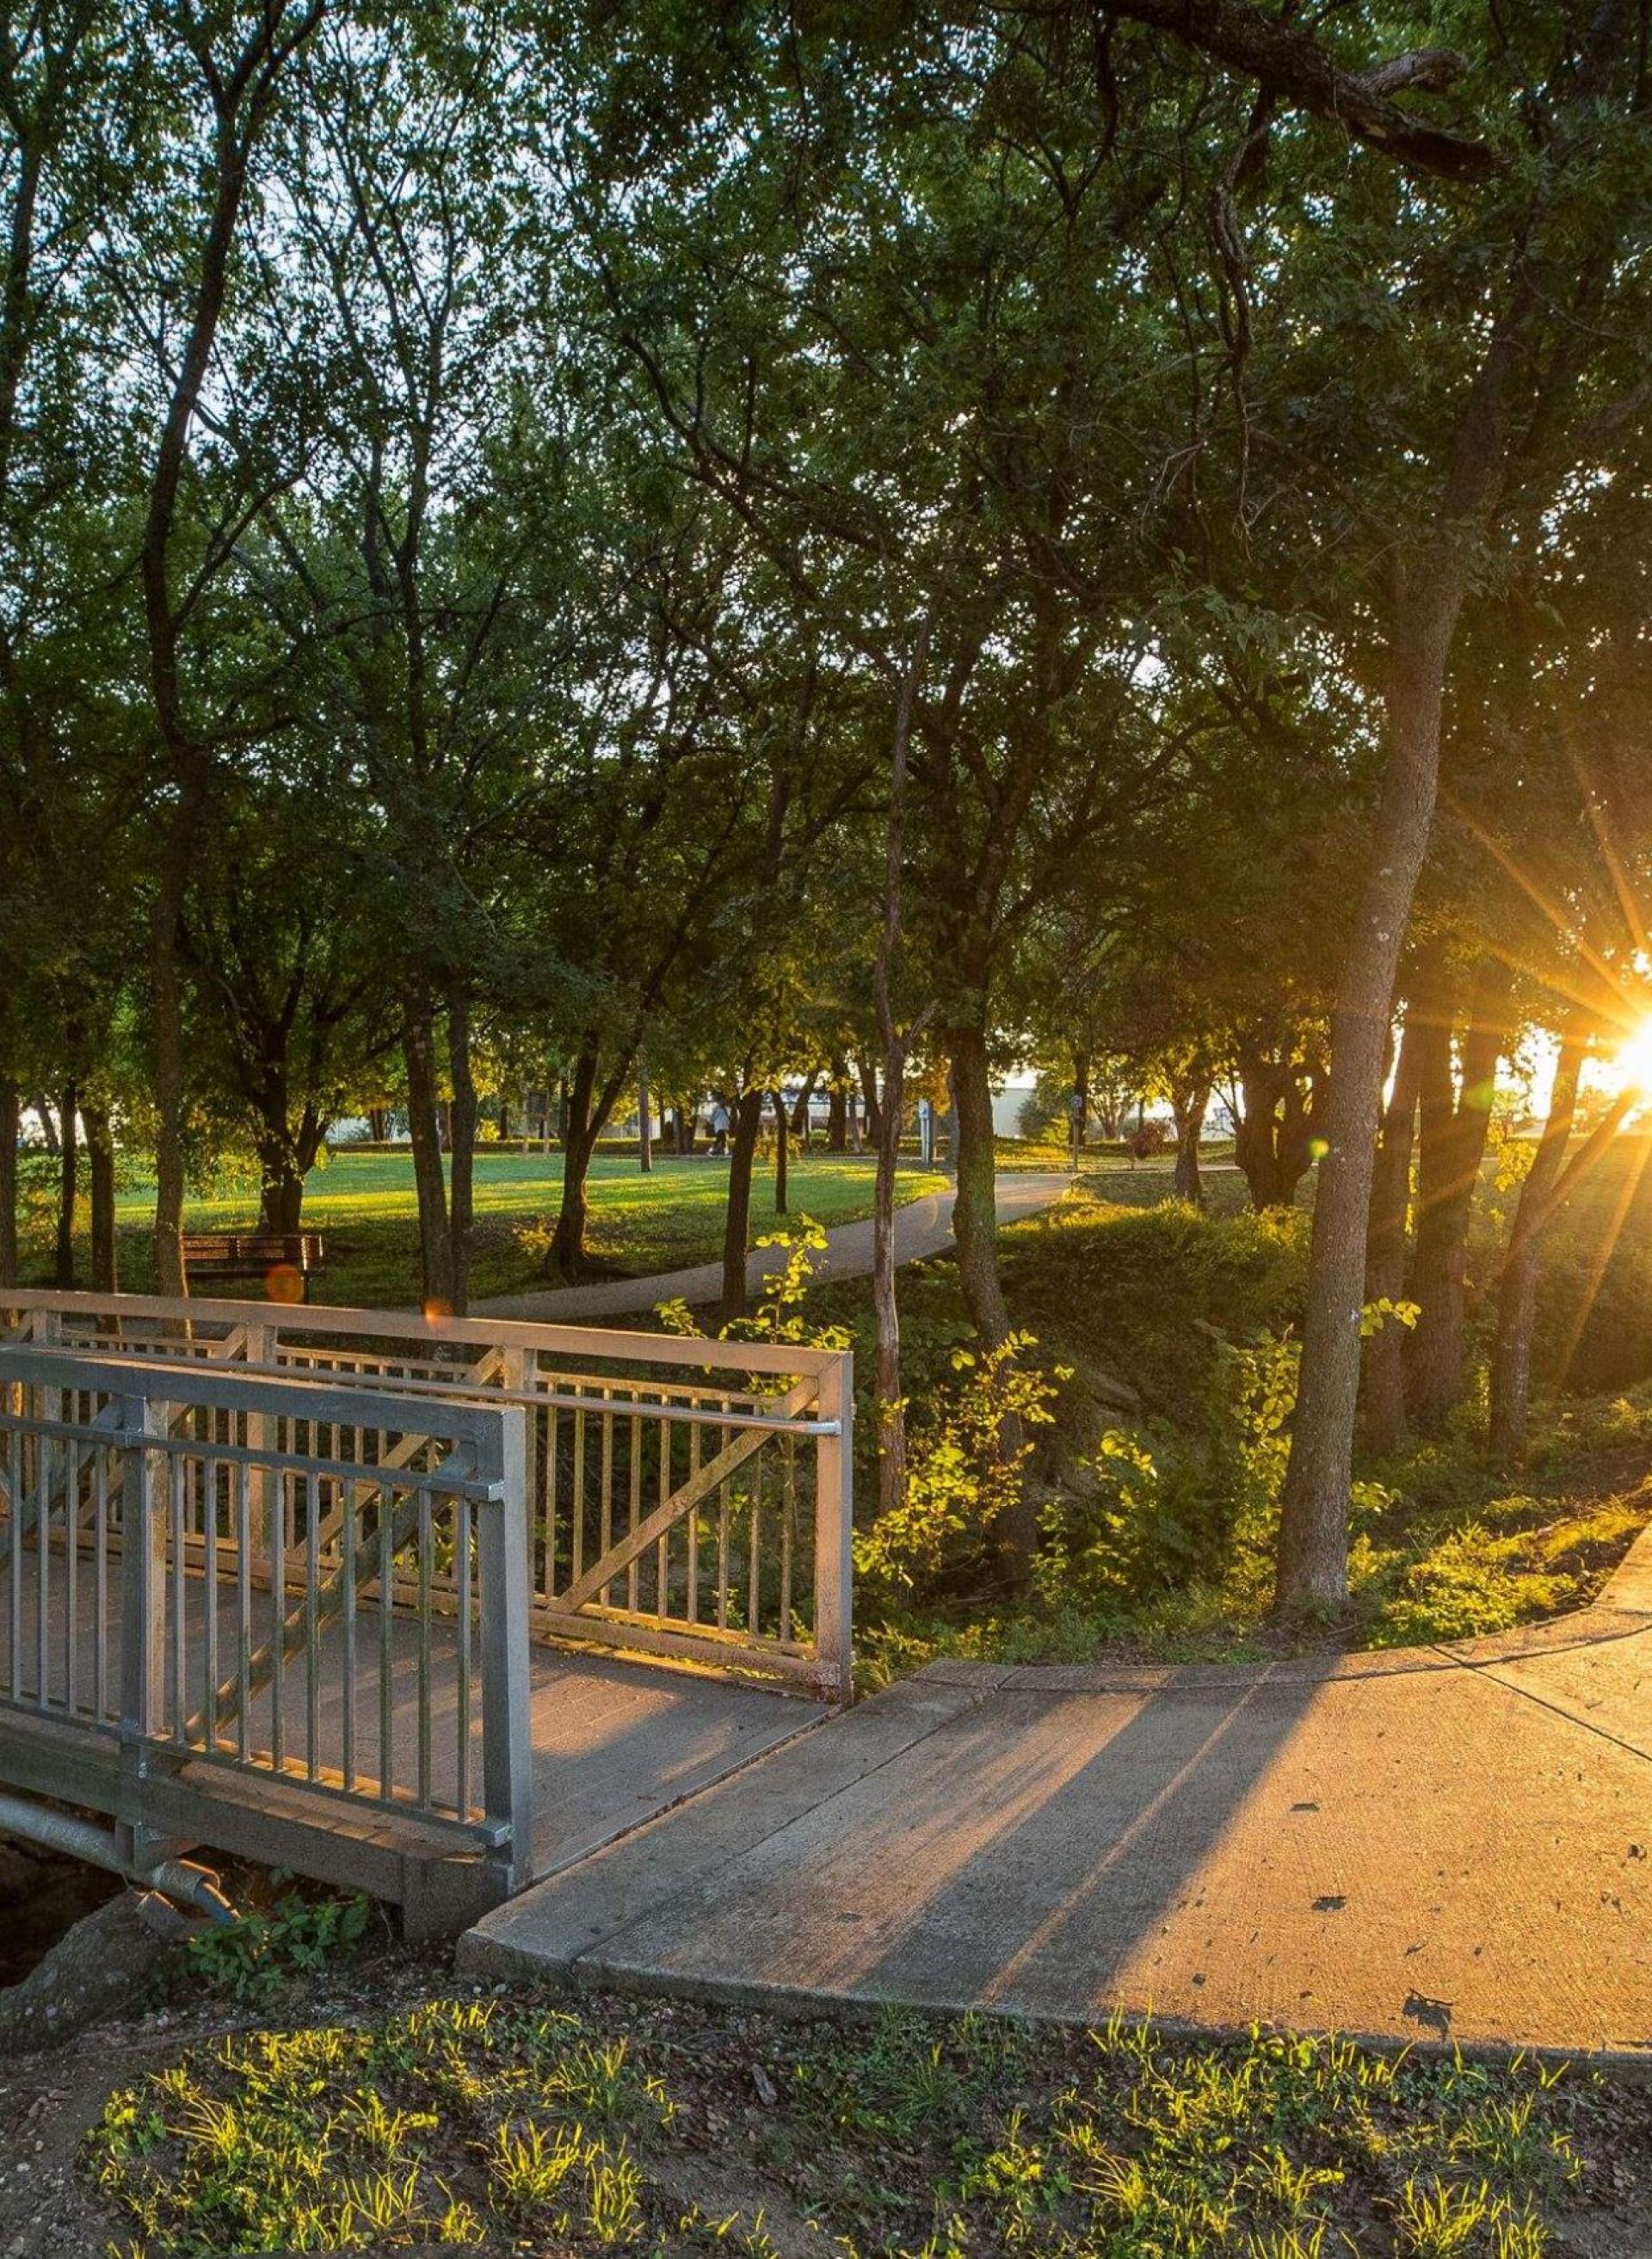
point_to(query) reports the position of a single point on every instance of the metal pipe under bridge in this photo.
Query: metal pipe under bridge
(427, 1607)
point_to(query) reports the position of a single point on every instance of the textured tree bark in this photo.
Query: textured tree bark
(1384, 1367)
(1522, 1262)
(68, 1189)
(800, 1111)
(870, 1099)
(580, 1129)
(894, 1040)
(10, 1131)
(1453, 1125)
(1313, 1555)
(1189, 1104)
(837, 1108)
(100, 1155)
(746, 1120)
(419, 1053)
(975, 1210)
(782, 1139)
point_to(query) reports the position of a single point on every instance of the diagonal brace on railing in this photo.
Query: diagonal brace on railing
(401, 1455)
(671, 1510)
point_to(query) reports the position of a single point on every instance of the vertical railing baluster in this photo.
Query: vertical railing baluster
(100, 1584)
(789, 1518)
(244, 1526)
(179, 1626)
(754, 1592)
(576, 1509)
(43, 1557)
(723, 1437)
(277, 1536)
(210, 1539)
(552, 1494)
(631, 1574)
(71, 1576)
(692, 1528)
(605, 1508)
(461, 1524)
(424, 1647)
(312, 1608)
(347, 1536)
(662, 1550)
(387, 1643)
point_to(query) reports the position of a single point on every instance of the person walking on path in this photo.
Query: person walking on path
(719, 1126)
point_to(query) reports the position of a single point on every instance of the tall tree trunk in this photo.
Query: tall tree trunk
(1385, 1360)
(1522, 1262)
(461, 1134)
(1189, 1104)
(644, 1126)
(47, 1121)
(869, 1093)
(745, 1120)
(68, 1189)
(1313, 1545)
(1452, 1131)
(975, 1209)
(280, 1205)
(11, 1133)
(837, 1109)
(782, 1128)
(800, 1111)
(894, 1040)
(100, 1155)
(1080, 1099)
(566, 1256)
(435, 1251)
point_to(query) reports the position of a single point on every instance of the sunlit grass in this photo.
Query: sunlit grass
(538, 2129)
(364, 1205)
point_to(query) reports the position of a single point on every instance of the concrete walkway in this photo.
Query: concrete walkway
(922, 1227)
(1445, 1842)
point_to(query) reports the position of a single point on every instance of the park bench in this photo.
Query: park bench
(252, 1254)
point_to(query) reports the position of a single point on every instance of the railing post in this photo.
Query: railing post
(260, 1436)
(504, 1598)
(834, 1531)
(143, 1577)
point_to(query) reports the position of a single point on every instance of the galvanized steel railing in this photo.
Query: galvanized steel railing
(197, 1563)
(686, 1500)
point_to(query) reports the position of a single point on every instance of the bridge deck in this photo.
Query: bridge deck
(615, 1742)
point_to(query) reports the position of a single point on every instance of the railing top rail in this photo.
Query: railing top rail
(464, 1419)
(308, 1318)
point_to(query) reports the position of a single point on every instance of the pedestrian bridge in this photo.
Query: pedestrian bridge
(427, 1607)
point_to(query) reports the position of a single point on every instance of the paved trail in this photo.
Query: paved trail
(922, 1227)
(1442, 1841)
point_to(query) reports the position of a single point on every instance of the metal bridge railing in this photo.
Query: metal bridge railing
(325, 1587)
(687, 1500)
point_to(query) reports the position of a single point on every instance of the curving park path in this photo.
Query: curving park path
(1449, 1842)
(922, 1227)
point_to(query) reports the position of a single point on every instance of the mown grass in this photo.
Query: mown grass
(485, 2122)
(364, 1205)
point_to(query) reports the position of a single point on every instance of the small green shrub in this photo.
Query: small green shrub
(252, 1959)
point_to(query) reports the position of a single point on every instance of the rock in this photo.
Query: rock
(103, 1966)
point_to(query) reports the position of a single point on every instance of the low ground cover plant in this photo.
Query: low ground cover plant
(485, 2122)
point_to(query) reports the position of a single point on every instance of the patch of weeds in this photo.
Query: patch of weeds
(255, 1958)
(646, 2126)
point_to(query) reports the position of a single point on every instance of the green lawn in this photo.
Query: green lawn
(364, 1205)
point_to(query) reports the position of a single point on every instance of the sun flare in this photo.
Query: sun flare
(1632, 1062)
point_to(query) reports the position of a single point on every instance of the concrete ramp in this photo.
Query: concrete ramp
(1442, 1843)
